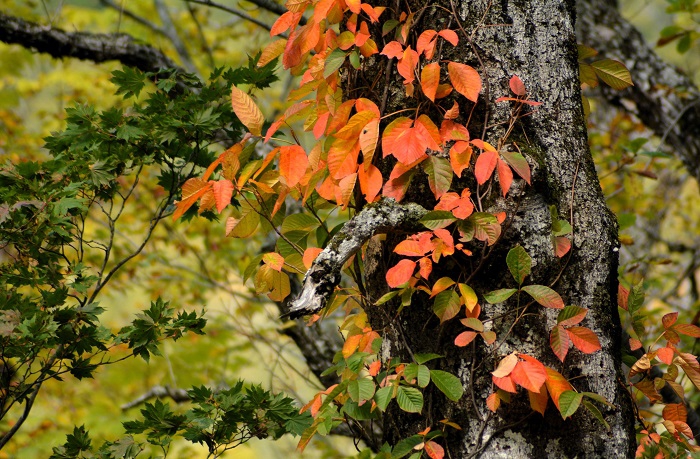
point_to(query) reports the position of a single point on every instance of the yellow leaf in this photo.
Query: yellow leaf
(247, 111)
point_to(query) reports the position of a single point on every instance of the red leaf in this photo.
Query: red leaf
(284, 22)
(669, 319)
(465, 338)
(429, 80)
(223, 190)
(517, 86)
(398, 181)
(530, 376)
(675, 412)
(370, 182)
(584, 339)
(453, 112)
(434, 450)
(410, 248)
(465, 79)
(485, 165)
(562, 245)
(505, 176)
(450, 130)
(426, 43)
(401, 273)
(505, 383)
(310, 255)
(293, 164)
(622, 295)
(687, 329)
(665, 354)
(556, 385)
(450, 36)
(559, 342)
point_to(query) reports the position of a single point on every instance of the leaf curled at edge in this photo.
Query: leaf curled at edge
(247, 111)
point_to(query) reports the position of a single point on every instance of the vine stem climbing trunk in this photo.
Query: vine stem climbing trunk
(535, 40)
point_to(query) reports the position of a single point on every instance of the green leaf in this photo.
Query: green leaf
(613, 73)
(569, 402)
(449, 384)
(409, 399)
(483, 226)
(406, 446)
(518, 163)
(361, 389)
(423, 358)
(545, 296)
(499, 296)
(386, 297)
(635, 300)
(439, 175)
(584, 52)
(519, 263)
(571, 315)
(446, 305)
(334, 61)
(419, 372)
(596, 413)
(383, 396)
(437, 219)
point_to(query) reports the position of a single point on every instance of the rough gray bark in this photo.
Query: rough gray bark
(662, 97)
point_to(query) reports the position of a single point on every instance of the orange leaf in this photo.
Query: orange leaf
(245, 109)
(465, 79)
(369, 136)
(449, 130)
(450, 36)
(559, 342)
(465, 338)
(405, 143)
(429, 80)
(665, 354)
(426, 43)
(393, 49)
(272, 51)
(310, 255)
(529, 375)
(342, 158)
(370, 182)
(425, 267)
(556, 385)
(351, 345)
(192, 190)
(284, 22)
(434, 450)
(428, 133)
(401, 273)
(409, 247)
(373, 13)
(399, 180)
(443, 90)
(493, 402)
(293, 164)
(505, 176)
(223, 191)
(584, 339)
(517, 86)
(485, 165)
(354, 6)
(505, 383)
(346, 187)
(538, 400)
(374, 368)
(274, 260)
(687, 329)
(675, 412)
(407, 65)
(453, 112)
(460, 157)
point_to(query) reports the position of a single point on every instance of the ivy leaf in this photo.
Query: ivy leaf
(449, 384)
(434, 451)
(439, 175)
(518, 163)
(519, 263)
(383, 396)
(223, 191)
(401, 273)
(584, 339)
(571, 315)
(437, 219)
(559, 342)
(485, 165)
(545, 296)
(293, 164)
(429, 80)
(409, 399)
(446, 305)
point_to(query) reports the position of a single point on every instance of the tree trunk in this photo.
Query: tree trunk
(535, 40)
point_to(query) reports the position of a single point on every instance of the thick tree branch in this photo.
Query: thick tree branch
(664, 99)
(82, 45)
(324, 275)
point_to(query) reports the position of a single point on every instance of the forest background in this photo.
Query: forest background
(195, 267)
